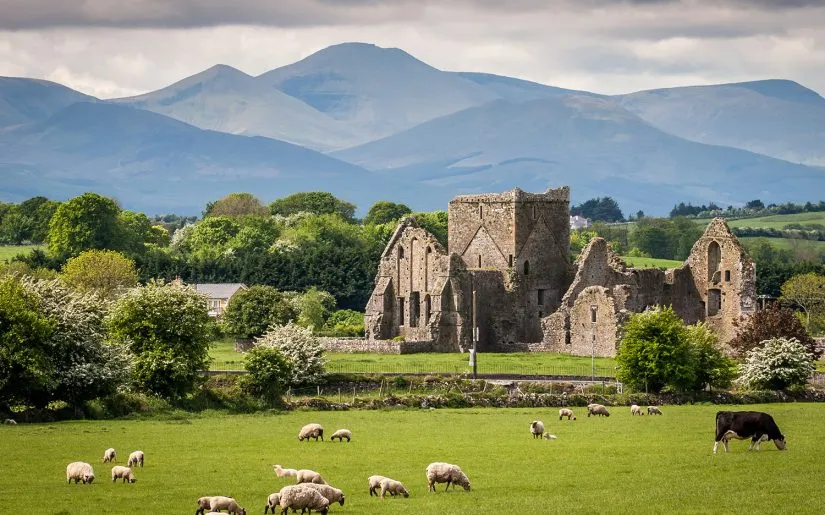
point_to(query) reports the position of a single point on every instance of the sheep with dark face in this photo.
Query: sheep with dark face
(332, 494)
(636, 410)
(219, 503)
(565, 412)
(341, 434)
(311, 431)
(125, 473)
(375, 484)
(440, 472)
(296, 497)
(537, 428)
(597, 409)
(79, 471)
(653, 410)
(393, 487)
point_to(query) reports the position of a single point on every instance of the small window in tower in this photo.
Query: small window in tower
(535, 212)
(593, 310)
(401, 252)
(479, 260)
(540, 297)
(526, 268)
(481, 211)
(429, 250)
(510, 261)
(727, 276)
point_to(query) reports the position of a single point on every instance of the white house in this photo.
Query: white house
(579, 222)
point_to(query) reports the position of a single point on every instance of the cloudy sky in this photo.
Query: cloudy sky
(114, 48)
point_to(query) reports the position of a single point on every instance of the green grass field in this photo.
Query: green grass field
(643, 262)
(225, 358)
(779, 221)
(9, 251)
(788, 243)
(619, 464)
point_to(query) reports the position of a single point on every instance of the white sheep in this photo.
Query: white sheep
(125, 473)
(341, 434)
(597, 409)
(10, 422)
(636, 410)
(393, 487)
(375, 484)
(653, 410)
(217, 503)
(311, 431)
(301, 496)
(109, 455)
(332, 494)
(282, 472)
(272, 501)
(79, 471)
(135, 458)
(548, 436)
(309, 476)
(440, 472)
(565, 412)
(537, 428)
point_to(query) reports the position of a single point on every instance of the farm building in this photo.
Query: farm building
(508, 272)
(218, 295)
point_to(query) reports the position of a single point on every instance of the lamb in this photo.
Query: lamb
(440, 472)
(218, 503)
(134, 459)
(564, 412)
(301, 496)
(109, 455)
(375, 484)
(282, 472)
(537, 428)
(393, 487)
(549, 436)
(79, 471)
(125, 473)
(332, 494)
(309, 476)
(10, 422)
(597, 409)
(311, 431)
(653, 410)
(636, 410)
(271, 502)
(341, 434)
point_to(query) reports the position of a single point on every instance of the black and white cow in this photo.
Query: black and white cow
(757, 426)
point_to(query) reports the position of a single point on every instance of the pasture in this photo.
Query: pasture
(620, 464)
(7, 252)
(646, 262)
(779, 221)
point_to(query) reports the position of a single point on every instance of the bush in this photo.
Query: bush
(269, 373)
(345, 322)
(773, 322)
(250, 312)
(777, 364)
(300, 348)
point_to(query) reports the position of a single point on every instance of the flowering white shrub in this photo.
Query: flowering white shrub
(776, 364)
(301, 349)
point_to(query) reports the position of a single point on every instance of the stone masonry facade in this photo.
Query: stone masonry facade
(508, 272)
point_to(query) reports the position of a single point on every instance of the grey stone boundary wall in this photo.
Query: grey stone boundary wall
(358, 344)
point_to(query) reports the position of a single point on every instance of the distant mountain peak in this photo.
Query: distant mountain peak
(783, 89)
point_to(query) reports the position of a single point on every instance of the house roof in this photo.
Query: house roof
(219, 290)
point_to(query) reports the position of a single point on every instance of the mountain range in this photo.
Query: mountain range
(370, 123)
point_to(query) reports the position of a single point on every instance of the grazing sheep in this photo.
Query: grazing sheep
(309, 476)
(125, 473)
(301, 496)
(311, 431)
(272, 501)
(10, 422)
(375, 484)
(636, 410)
(109, 455)
(440, 472)
(219, 503)
(537, 428)
(79, 471)
(134, 459)
(564, 412)
(341, 434)
(393, 487)
(597, 409)
(282, 472)
(332, 494)
(549, 436)
(653, 410)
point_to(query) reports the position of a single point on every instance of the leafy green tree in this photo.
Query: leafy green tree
(212, 235)
(314, 307)
(345, 322)
(302, 350)
(385, 212)
(89, 221)
(256, 234)
(39, 210)
(713, 368)
(316, 202)
(808, 292)
(159, 236)
(252, 311)
(135, 230)
(777, 364)
(167, 328)
(236, 204)
(655, 353)
(604, 209)
(269, 373)
(436, 223)
(104, 272)
(770, 323)
(25, 370)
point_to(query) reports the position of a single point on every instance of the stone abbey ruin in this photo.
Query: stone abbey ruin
(508, 262)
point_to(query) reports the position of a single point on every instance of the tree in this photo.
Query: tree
(134, 232)
(168, 329)
(772, 322)
(604, 209)
(436, 223)
(713, 368)
(301, 349)
(385, 212)
(269, 373)
(777, 364)
(85, 222)
(808, 292)
(212, 235)
(756, 205)
(252, 311)
(314, 307)
(345, 322)
(236, 204)
(317, 202)
(104, 272)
